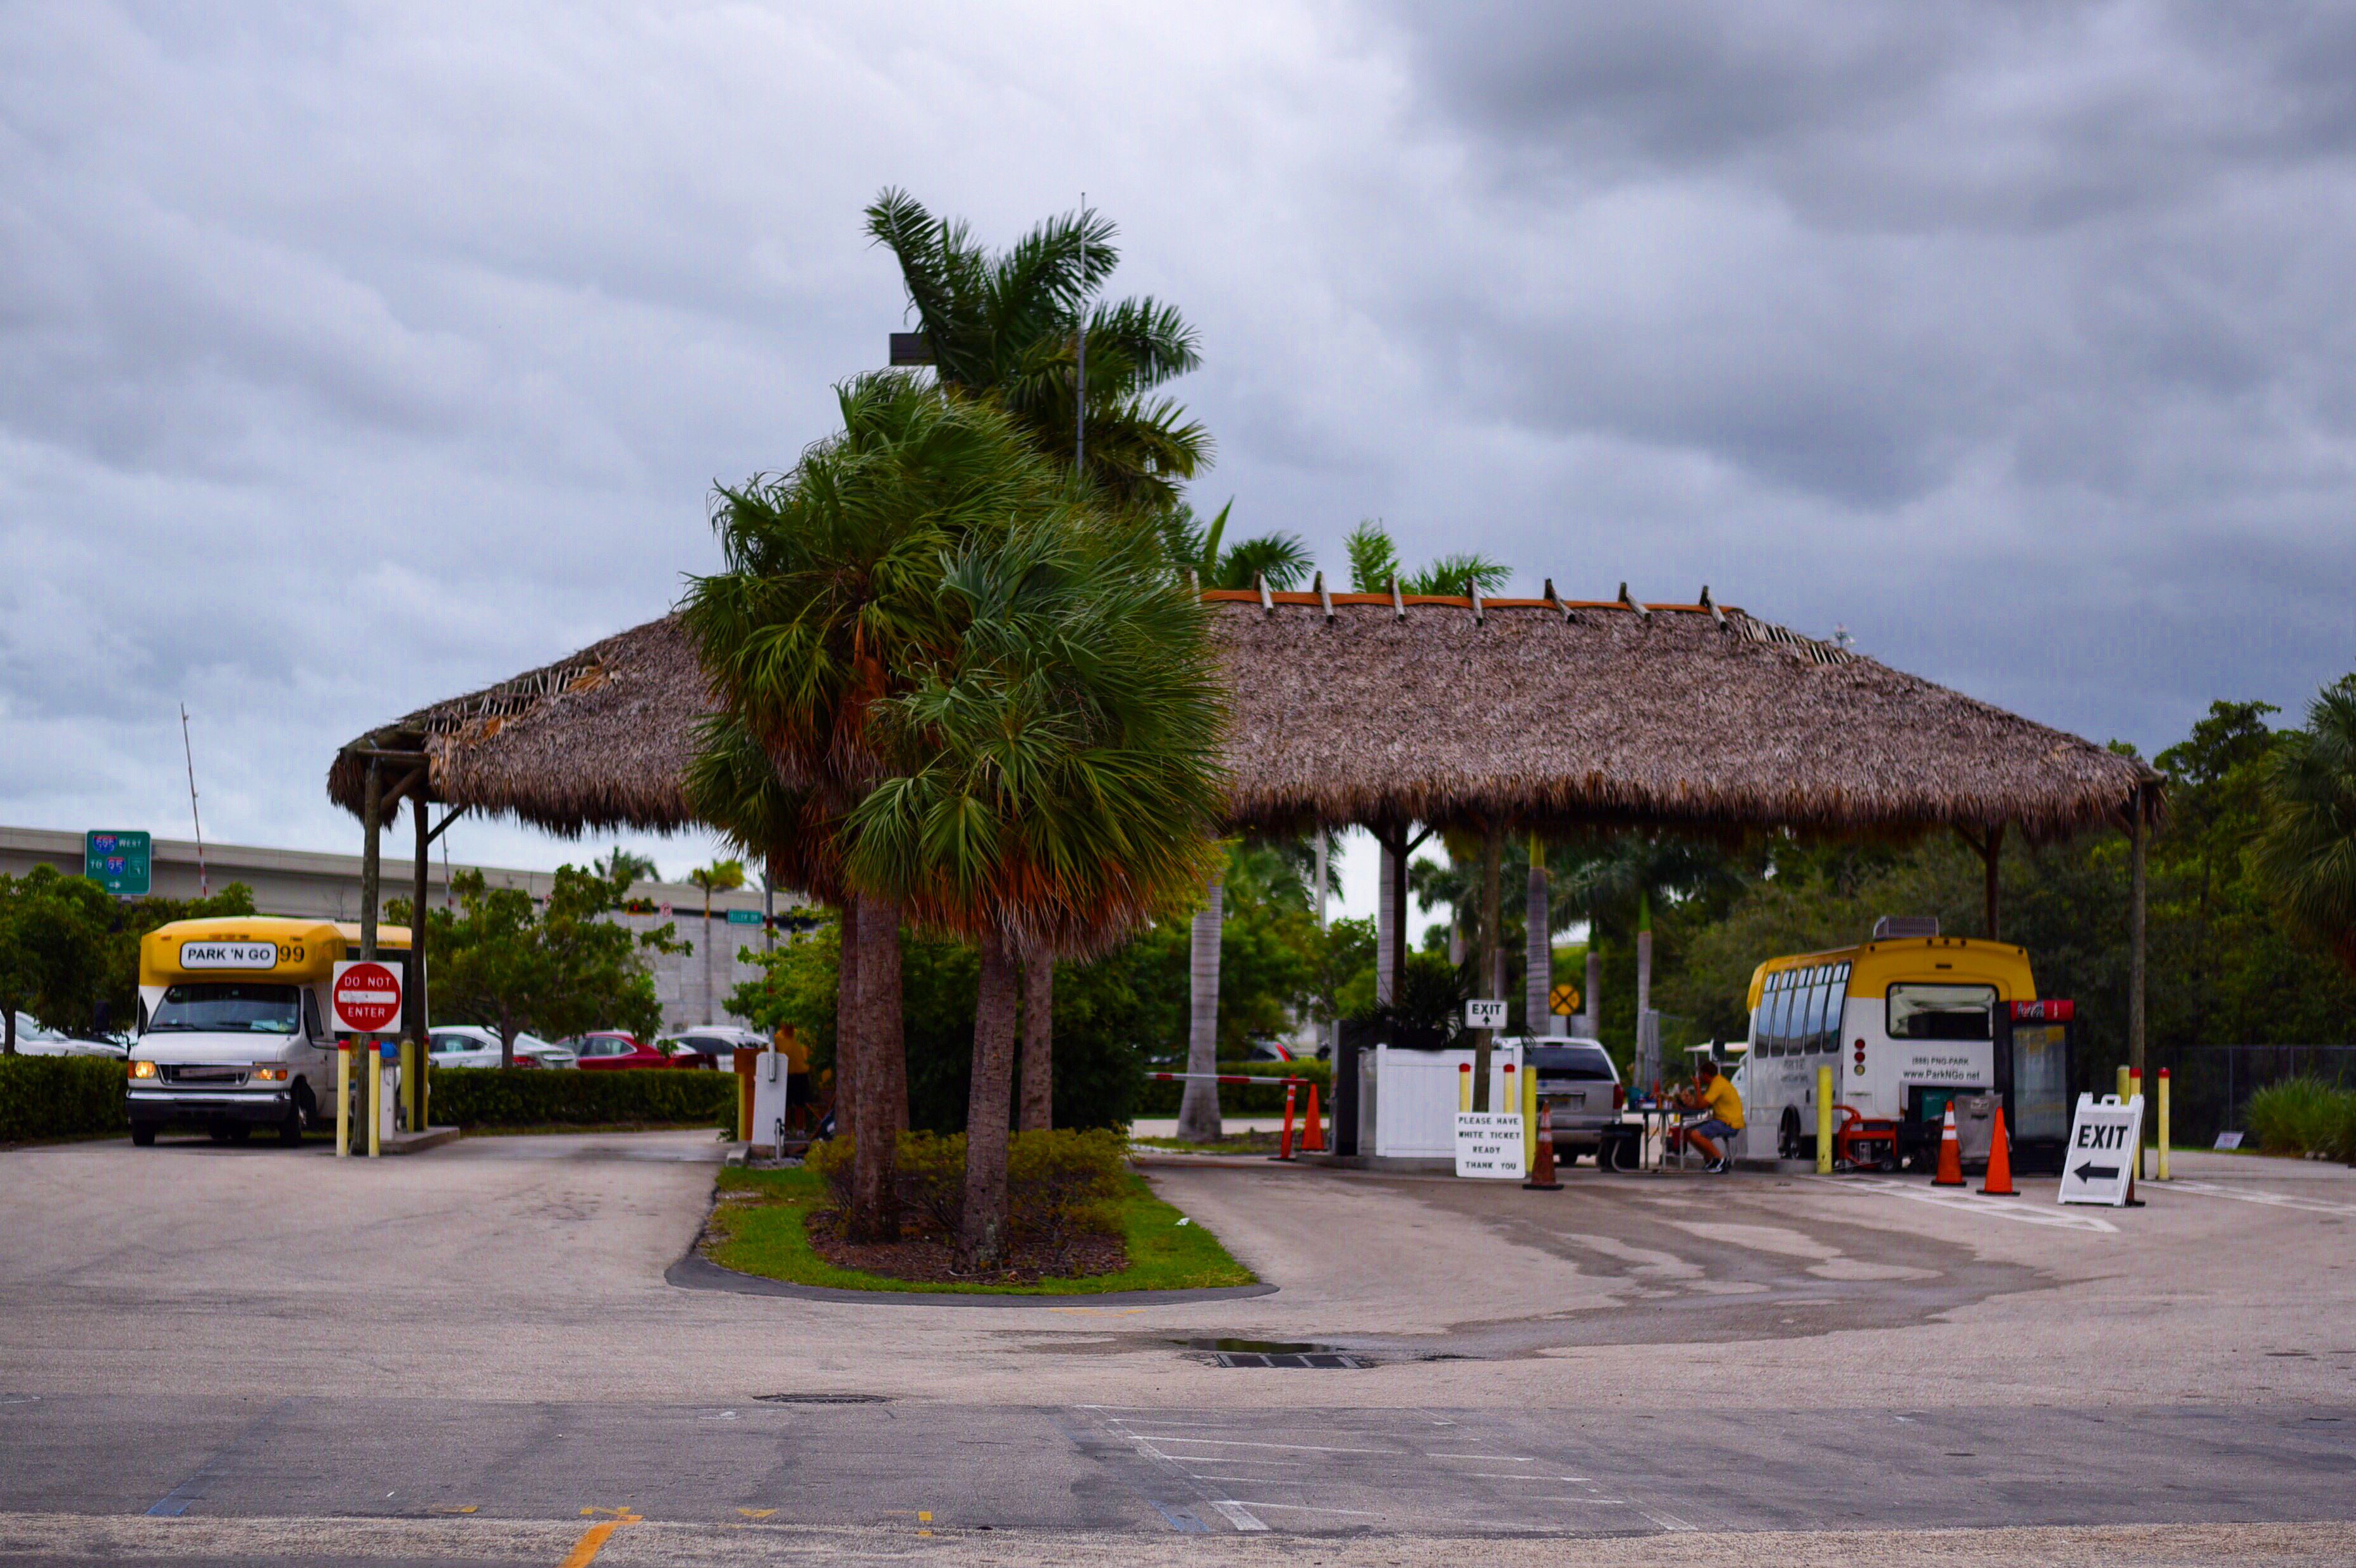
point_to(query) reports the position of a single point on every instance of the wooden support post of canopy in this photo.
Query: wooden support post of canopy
(1989, 846)
(2139, 835)
(413, 992)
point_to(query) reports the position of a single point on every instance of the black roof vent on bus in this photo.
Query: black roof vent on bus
(1895, 927)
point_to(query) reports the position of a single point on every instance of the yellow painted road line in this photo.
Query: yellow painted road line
(592, 1540)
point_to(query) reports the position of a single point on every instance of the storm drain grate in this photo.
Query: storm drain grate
(825, 1398)
(1333, 1359)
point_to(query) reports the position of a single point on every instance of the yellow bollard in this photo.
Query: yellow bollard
(374, 1068)
(2123, 1083)
(1824, 1121)
(2161, 1173)
(342, 1098)
(1530, 1118)
(1464, 1086)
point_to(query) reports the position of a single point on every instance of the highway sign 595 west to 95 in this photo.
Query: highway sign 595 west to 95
(121, 862)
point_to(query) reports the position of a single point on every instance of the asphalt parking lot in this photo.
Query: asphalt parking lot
(474, 1345)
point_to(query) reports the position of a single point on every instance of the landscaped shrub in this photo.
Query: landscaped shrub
(2304, 1115)
(60, 1097)
(1162, 1099)
(539, 1096)
(1058, 1184)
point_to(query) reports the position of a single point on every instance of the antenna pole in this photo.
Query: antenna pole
(1080, 380)
(188, 752)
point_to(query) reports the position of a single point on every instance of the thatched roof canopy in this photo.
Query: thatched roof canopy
(1360, 708)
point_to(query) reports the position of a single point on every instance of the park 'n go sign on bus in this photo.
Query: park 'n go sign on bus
(365, 996)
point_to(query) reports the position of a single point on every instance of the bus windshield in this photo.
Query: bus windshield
(1942, 1012)
(227, 1008)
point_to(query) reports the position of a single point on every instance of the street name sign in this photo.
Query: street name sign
(365, 996)
(1485, 1015)
(744, 917)
(2105, 1137)
(122, 863)
(1489, 1145)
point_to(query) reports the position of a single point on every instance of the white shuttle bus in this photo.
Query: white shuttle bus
(233, 1025)
(1906, 1021)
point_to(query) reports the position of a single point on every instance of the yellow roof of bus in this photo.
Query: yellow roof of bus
(1874, 967)
(306, 948)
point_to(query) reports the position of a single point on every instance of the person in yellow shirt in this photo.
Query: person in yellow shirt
(1714, 1095)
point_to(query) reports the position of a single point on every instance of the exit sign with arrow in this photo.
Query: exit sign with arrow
(2106, 1137)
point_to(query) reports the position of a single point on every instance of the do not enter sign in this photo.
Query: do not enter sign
(366, 998)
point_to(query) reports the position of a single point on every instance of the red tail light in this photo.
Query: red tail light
(1619, 1096)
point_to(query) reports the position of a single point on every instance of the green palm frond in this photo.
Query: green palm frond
(1374, 558)
(2306, 852)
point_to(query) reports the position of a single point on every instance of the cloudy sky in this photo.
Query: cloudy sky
(351, 357)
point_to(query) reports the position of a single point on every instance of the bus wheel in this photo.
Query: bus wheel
(142, 1134)
(1787, 1136)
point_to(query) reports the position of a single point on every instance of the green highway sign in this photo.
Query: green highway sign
(122, 863)
(744, 917)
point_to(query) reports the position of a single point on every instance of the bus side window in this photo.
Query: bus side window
(1779, 1030)
(1820, 1021)
(1835, 1004)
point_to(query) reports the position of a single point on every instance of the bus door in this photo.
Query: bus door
(2036, 1054)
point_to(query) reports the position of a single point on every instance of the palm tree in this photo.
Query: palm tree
(1279, 560)
(2306, 854)
(1007, 326)
(719, 877)
(831, 605)
(1069, 774)
(1374, 566)
(1631, 872)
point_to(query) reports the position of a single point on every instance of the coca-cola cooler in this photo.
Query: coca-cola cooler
(2035, 1062)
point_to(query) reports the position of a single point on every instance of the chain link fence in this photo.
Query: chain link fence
(2209, 1085)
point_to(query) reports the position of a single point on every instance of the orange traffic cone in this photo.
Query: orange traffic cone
(1951, 1154)
(1313, 1135)
(1999, 1171)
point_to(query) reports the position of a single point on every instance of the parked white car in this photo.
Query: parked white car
(470, 1045)
(32, 1040)
(715, 1045)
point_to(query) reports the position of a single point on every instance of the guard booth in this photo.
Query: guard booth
(2035, 1062)
(1396, 1102)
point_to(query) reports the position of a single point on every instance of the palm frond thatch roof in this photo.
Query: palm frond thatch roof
(1361, 707)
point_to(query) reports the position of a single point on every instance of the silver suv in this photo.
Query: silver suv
(1582, 1089)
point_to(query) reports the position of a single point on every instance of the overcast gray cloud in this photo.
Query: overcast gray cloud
(350, 358)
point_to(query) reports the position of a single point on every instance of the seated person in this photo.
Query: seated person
(1714, 1095)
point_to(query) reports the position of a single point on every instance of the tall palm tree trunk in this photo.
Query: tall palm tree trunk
(982, 1228)
(879, 1072)
(1387, 930)
(846, 1027)
(1038, 1108)
(1648, 1043)
(1198, 1109)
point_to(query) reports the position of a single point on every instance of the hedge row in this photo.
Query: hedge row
(60, 1097)
(1160, 1099)
(2305, 1116)
(536, 1096)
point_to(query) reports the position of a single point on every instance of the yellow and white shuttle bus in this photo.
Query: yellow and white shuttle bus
(233, 1024)
(1903, 1019)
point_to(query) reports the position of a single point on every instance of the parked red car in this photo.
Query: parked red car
(609, 1050)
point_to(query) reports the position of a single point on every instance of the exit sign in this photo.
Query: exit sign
(122, 863)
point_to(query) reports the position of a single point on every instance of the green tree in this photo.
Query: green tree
(1069, 771)
(2305, 856)
(1281, 561)
(719, 877)
(1007, 326)
(830, 607)
(1374, 566)
(54, 934)
(503, 961)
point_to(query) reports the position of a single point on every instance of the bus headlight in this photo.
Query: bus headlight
(142, 1070)
(270, 1075)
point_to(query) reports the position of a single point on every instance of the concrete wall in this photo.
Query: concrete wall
(327, 886)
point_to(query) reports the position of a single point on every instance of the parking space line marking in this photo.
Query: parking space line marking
(1294, 1508)
(1501, 1458)
(1240, 1516)
(2271, 1199)
(1997, 1207)
(1241, 1442)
